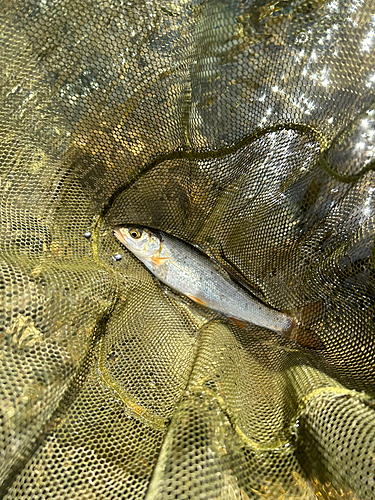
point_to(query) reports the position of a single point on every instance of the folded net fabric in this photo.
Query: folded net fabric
(244, 128)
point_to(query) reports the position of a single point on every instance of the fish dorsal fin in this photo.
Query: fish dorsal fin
(232, 272)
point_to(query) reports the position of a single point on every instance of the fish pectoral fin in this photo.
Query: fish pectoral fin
(238, 322)
(198, 301)
(158, 260)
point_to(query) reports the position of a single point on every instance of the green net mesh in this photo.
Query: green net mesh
(244, 128)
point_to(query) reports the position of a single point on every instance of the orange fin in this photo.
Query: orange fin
(198, 301)
(307, 339)
(307, 322)
(238, 322)
(158, 260)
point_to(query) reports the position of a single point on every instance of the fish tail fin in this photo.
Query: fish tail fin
(306, 322)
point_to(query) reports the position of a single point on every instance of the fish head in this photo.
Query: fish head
(142, 242)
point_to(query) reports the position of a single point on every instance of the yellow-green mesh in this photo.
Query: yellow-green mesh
(244, 128)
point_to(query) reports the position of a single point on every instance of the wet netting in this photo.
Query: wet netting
(246, 129)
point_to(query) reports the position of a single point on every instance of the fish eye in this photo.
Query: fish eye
(135, 233)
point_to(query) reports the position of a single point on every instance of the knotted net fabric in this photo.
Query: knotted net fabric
(246, 129)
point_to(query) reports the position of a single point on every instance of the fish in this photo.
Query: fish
(193, 274)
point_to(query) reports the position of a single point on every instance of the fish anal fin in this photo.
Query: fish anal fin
(198, 301)
(238, 322)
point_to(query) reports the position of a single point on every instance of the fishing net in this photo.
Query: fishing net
(246, 129)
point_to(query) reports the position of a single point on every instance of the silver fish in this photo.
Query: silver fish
(193, 274)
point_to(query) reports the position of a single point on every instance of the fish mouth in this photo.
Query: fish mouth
(118, 234)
